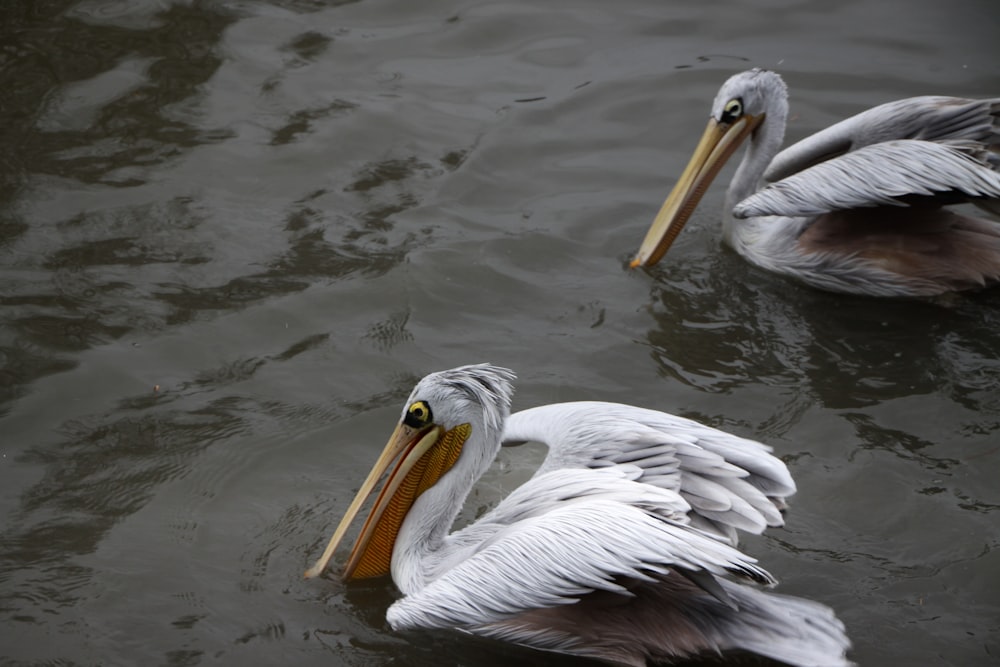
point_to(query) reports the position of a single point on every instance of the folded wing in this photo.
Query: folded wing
(926, 118)
(578, 546)
(893, 173)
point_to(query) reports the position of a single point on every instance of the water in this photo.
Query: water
(234, 234)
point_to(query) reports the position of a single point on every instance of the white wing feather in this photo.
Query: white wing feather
(543, 493)
(730, 482)
(548, 490)
(927, 118)
(878, 175)
(554, 558)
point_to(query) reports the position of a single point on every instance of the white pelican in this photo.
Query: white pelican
(587, 559)
(857, 207)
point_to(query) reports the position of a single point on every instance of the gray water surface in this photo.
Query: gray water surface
(234, 234)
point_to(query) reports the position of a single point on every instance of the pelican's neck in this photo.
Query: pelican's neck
(764, 144)
(422, 550)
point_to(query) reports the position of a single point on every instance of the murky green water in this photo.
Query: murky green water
(234, 234)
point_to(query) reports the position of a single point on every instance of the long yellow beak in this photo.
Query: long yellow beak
(422, 456)
(717, 145)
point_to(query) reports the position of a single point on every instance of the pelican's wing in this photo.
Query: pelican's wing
(549, 490)
(890, 173)
(730, 482)
(928, 118)
(579, 546)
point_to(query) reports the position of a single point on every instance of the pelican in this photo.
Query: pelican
(598, 554)
(857, 207)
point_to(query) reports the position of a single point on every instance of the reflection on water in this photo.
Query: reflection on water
(234, 234)
(736, 328)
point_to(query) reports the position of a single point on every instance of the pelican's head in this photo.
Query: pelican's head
(443, 411)
(741, 105)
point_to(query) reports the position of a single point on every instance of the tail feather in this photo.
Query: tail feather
(792, 630)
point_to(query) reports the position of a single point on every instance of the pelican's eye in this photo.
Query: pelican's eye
(418, 415)
(732, 111)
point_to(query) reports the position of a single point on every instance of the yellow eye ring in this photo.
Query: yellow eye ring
(418, 415)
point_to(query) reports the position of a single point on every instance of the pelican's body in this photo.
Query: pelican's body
(859, 207)
(600, 554)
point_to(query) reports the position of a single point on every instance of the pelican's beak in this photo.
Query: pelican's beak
(422, 456)
(717, 145)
